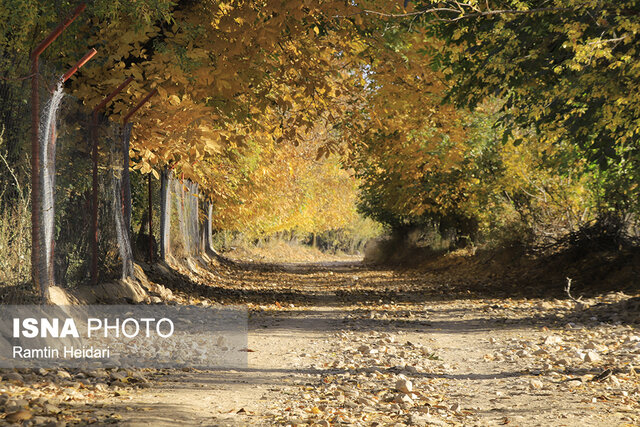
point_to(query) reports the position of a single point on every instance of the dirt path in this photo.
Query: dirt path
(232, 397)
(337, 344)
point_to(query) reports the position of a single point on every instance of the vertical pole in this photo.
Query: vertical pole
(203, 236)
(36, 197)
(165, 213)
(94, 199)
(150, 222)
(126, 179)
(202, 222)
(196, 214)
(38, 276)
(94, 194)
(181, 215)
(50, 274)
(209, 226)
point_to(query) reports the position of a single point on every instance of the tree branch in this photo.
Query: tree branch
(467, 15)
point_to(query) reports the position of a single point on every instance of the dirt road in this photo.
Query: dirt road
(341, 344)
(338, 344)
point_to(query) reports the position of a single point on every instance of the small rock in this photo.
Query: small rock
(553, 340)
(364, 349)
(614, 380)
(592, 357)
(403, 398)
(63, 374)
(404, 386)
(19, 416)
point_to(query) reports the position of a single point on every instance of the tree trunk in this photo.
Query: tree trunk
(195, 220)
(165, 213)
(126, 180)
(209, 226)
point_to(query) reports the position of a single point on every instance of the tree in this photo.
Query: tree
(564, 68)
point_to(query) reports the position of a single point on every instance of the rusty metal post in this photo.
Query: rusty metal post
(94, 194)
(50, 274)
(87, 56)
(139, 105)
(36, 202)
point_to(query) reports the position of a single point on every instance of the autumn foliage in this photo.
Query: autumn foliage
(494, 120)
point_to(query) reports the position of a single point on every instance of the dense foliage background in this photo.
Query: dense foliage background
(491, 122)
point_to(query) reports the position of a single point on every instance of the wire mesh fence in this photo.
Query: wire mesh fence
(64, 223)
(66, 187)
(180, 217)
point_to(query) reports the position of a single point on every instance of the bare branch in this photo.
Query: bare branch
(462, 15)
(405, 15)
(614, 40)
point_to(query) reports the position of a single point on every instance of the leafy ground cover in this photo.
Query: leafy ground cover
(340, 343)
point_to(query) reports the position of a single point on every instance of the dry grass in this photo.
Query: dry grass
(15, 242)
(15, 228)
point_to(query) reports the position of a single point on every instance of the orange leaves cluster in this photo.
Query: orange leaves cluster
(225, 72)
(255, 96)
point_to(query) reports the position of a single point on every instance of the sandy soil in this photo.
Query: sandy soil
(336, 344)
